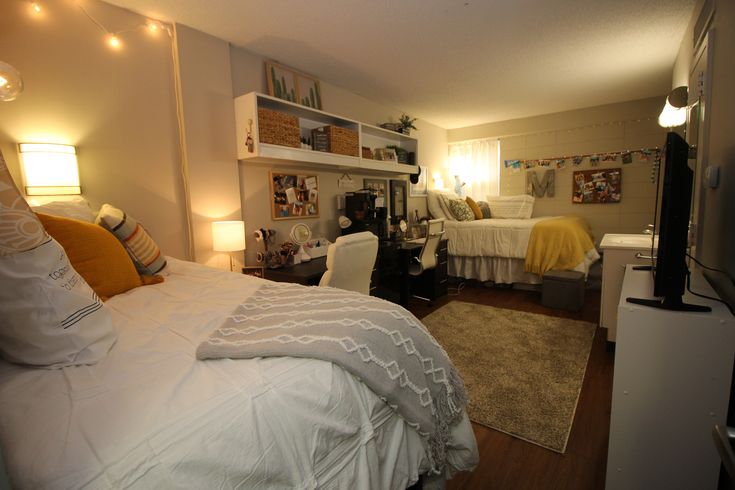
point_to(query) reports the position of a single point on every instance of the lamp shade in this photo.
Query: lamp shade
(674, 112)
(11, 83)
(228, 236)
(50, 169)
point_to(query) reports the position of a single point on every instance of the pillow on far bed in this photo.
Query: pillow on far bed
(50, 315)
(511, 207)
(435, 204)
(474, 207)
(485, 209)
(142, 249)
(460, 209)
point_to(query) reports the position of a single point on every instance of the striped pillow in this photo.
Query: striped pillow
(143, 250)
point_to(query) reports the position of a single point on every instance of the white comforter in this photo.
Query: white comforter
(506, 238)
(151, 416)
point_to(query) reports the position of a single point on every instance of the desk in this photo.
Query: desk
(394, 259)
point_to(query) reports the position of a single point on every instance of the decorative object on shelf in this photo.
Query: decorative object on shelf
(542, 188)
(397, 127)
(300, 234)
(254, 270)
(401, 154)
(228, 236)
(11, 83)
(367, 152)
(407, 123)
(278, 128)
(386, 155)
(249, 142)
(418, 189)
(294, 196)
(336, 139)
(597, 186)
(291, 85)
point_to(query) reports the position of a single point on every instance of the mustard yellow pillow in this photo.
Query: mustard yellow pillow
(95, 253)
(474, 207)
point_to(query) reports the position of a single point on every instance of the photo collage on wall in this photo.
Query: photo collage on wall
(597, 186)
(294, 196)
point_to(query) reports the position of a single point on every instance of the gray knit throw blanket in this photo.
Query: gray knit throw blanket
(379, 342)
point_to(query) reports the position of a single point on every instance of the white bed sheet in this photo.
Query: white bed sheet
(490, 237)
(150, 415)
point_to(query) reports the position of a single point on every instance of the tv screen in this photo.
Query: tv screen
(674, 196)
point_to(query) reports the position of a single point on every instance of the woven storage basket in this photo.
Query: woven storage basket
(278, 128)
(335, 139)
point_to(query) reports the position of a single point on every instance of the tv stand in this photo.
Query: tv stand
(673, 304)
(671, 384)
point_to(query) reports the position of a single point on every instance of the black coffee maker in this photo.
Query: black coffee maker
(365, 216)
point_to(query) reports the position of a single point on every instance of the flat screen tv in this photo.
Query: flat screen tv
(673, 204)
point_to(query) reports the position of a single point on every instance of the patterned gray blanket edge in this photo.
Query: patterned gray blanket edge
(379, 342)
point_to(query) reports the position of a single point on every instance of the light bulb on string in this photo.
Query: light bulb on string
(113, 41)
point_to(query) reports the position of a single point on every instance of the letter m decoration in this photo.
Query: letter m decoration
(545, 186)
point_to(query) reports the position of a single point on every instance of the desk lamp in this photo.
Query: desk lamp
(228, 236)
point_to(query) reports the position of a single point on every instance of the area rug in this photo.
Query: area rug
(523, 371)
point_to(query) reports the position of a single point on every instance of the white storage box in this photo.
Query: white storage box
(317, 247)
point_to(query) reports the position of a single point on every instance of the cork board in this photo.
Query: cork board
(597, 186)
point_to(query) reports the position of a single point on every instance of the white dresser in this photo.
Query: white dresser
(618, 250)
(671, 385)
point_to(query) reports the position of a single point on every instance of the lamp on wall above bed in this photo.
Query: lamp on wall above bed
(228, 236)
(50, 169)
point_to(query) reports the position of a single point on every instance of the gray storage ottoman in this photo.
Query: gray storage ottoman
(563, 289)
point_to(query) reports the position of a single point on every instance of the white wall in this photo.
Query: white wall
(583, 131)
(117, 107)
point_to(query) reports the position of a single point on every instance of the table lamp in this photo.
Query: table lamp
(228, 236)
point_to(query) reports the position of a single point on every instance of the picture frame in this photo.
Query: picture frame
(293, 196)
(385, 154)
(380, 186)
(292, 85)
(419, 189)
(254, 270)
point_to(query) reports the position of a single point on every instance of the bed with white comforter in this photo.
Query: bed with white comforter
(149, 415)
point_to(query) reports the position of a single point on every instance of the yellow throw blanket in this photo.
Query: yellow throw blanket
(560, 243)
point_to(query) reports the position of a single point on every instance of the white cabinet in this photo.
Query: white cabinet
(618, 250)
(671, 386)
(246, 121)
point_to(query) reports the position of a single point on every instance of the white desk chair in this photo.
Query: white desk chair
(427, 258)
(350, 262)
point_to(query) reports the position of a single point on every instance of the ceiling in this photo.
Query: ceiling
(457, 63)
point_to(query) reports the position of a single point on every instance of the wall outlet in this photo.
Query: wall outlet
(712, 176)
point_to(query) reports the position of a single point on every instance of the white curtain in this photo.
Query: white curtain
(477, 164)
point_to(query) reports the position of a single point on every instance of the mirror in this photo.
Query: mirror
(397, 200)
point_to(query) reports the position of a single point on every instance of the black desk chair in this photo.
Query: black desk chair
(427, 258)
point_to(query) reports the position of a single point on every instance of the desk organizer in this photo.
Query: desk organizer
(317, 247)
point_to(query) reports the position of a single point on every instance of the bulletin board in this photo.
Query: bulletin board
(294, 196)
(597, 186)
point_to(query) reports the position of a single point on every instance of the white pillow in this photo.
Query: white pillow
(51, 317)
(77, 208)
(511, 207)
(433, 202)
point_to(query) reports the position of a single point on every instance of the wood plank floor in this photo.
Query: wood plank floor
(508, 463)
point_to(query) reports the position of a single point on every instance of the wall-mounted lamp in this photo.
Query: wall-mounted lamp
(228, 236)
(674, 112)
(11, 83)
(50, 169)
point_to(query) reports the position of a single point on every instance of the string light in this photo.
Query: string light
(36, 7)
(114, 41)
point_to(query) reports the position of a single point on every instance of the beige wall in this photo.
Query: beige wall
(248, 74)
(614, 127)
(209, 127)
(717, 228)
(117, 107)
